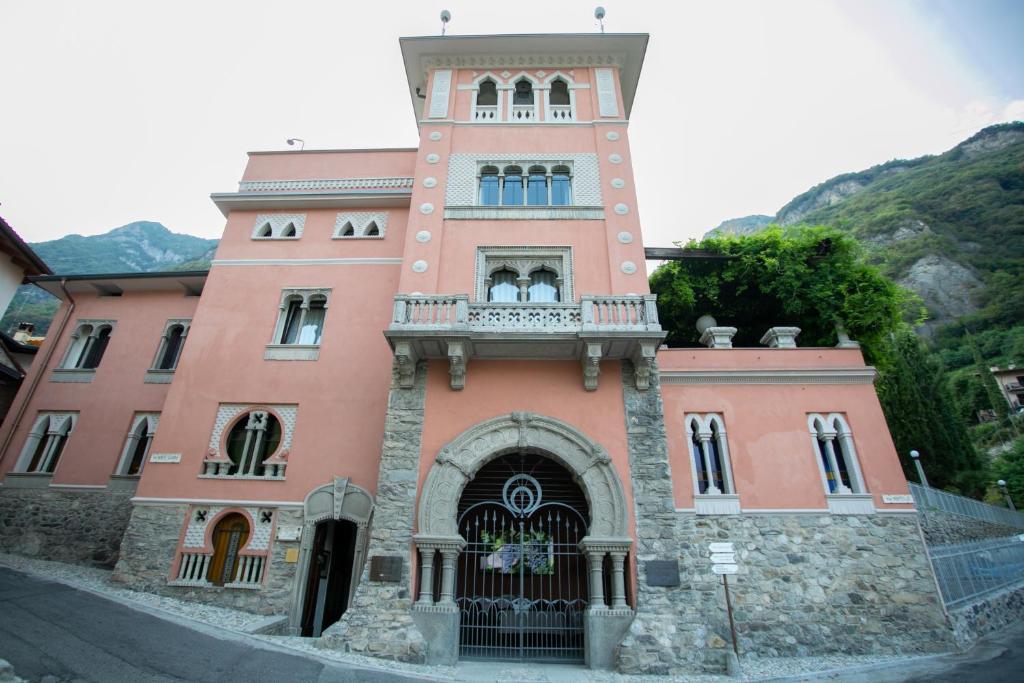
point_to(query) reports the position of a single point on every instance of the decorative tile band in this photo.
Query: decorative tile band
(324, 184)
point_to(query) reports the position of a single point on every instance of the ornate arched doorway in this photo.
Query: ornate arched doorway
(521, 581)
(462, 486)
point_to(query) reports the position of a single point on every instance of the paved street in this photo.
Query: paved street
(49, 629)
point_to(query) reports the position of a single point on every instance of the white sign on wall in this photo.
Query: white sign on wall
(289, 533)
(897, 498)
(723, 558)
(165, 457)
(442, 87)
(725, 568)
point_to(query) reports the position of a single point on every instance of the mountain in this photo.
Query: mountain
(747, 225)
(949, 227)
(142, 246)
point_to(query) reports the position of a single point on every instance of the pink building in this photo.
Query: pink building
(422, 412)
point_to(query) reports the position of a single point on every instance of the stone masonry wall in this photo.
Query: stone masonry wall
(808, 583)
(945, 527)
(990, 614)
(149, 549)
(76, 526)
(379, 621)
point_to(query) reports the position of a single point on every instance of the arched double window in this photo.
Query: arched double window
(88, 344)
(836, 454)
(276, 226)
(503, 288)
(539, 285)
(138, 444)
(543, 184)
(709, 455)
(543, 287)
(45, 443)
(253, 438)
(302, 315)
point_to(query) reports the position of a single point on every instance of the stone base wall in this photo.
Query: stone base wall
(151, 545)
(945, 527)
(75, 526)
(991, 614)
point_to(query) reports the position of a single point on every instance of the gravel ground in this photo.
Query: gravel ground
(98, 581)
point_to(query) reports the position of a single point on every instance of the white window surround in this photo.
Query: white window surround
(354, 225)
(143, 429)
(502, 112)
(278, 226)
(831, 429)
(217, 463)
(279, 350)
(524, 260)
(711, 427)
(50, 430)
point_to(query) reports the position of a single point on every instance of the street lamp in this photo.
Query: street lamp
(916, 457)
(1006, 494)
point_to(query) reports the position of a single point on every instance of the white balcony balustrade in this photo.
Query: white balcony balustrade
(560, 113)
(596, 328)
(485, 113)
(523, 113)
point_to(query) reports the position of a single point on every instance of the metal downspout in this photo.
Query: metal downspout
(41, 368)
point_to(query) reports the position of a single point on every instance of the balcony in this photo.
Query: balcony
(560, 113)
(597, 328)
(485, 113)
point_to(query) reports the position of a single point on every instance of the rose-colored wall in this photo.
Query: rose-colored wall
(774, 463)
(106, 405)
(329, 164)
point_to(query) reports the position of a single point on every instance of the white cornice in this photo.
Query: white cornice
(307, 262)
(862, 375)
(332, 199)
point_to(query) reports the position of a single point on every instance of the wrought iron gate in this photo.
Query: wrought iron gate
(522, 584)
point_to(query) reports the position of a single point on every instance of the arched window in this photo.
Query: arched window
(289, 230)
(313, 322)
(561, 188)
(503, 287)
(709, 454)
(265, 231)
(543, 287)
(490, 186)
(836, 454)
(88, 345)
(348, 230)
(253, 439)
(559, 92)
(172, 348)
(372, 230)
(229, 537)
(138, 444)
(45, 443)
(523, 92)
(512, 191)
(537, 186)
(487, 96)
(292, 319)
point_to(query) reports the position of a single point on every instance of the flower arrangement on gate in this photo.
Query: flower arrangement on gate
(513, 550)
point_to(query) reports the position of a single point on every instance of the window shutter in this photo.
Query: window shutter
(606, 102)
(439, 94)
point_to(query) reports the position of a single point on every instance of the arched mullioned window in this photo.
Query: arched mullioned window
(171, 345)
(253, 438)
(561, 187)
(503, 288)
(490, 186)
(138, 444)
(836, 454)
(512, 187)
(537, 186)
(45, 443)
(709, 455)
(543, 287)
(301, 319)
(88, 344)
(543, 184)
(230, 535)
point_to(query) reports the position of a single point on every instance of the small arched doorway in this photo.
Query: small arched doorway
(229, 536)
(521, 581)
(330, 575)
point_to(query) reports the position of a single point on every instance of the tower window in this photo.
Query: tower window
(512, 188)
(542, 185)
(523, 92)
(559, 92)
(488, 94)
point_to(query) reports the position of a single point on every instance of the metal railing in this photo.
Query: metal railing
(968, 571)
(927, 498)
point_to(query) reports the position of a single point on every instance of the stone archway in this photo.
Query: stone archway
(608, 535)
(339, 500)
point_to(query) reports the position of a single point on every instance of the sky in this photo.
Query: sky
(122, 111)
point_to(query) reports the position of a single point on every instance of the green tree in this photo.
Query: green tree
(1010, 467)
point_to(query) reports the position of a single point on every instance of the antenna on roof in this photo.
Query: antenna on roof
(599, 15)
(292, 141)
(446, 16)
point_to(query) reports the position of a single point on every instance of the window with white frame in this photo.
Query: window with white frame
(138, 443)
(836, 454)
(171, 343)
(536, 184)
(524, 275)
(278, 226)
(45, 443)
(485, 102)
(301, 318)
(709, 455)
(253, 439)
(89, 342)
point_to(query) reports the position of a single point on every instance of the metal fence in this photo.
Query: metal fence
(967, 571)
(927, 498)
